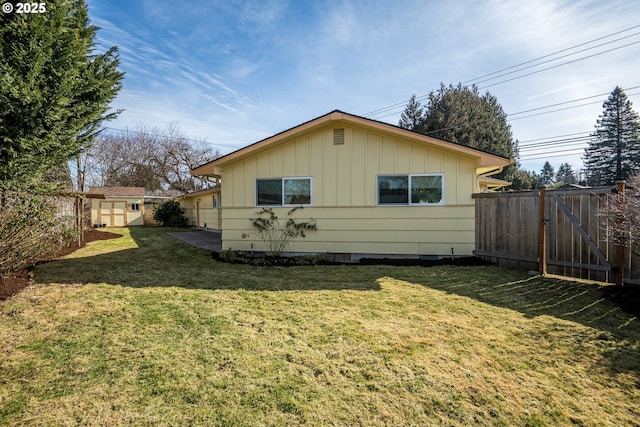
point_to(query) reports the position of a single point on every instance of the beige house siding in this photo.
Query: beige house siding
(117, 212)
(199, 208)
(401, 230)
(344, 194)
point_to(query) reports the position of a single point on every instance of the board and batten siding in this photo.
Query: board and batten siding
(344, 195)
(116, 212)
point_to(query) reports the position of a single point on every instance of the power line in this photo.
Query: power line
(559, 65)
(569, 102)
(396, 105)
(560, 57)
(552, 54)
(554, 155)
(553, 137)
(553, 143)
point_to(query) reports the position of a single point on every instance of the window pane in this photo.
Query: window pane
(269, 192)
(426, 190)
(393, 190)
(297, 191)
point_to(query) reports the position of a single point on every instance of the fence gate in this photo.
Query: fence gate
(568, 234)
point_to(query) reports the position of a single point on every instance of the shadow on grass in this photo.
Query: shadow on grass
(154, 259)
(612, 312)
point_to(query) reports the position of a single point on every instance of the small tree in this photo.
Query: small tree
(277, 236)
(622, 220)
(412, 117)
(171, 214)
(547, 174)
(566, 174)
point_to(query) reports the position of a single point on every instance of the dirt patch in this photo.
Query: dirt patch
(16, 281)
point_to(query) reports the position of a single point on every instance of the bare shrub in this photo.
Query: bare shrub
(277, 236)
(31, 229)
(621, 218)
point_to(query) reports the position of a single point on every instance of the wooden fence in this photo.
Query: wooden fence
(572, 233)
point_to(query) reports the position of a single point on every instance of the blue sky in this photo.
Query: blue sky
(235, 72)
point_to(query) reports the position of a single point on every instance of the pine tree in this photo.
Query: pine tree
(54, 89)
(547, 174)
(460, 114)
(566, 175)
(614, 152)
(412, 117)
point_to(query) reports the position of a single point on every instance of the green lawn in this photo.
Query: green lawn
(147, 330)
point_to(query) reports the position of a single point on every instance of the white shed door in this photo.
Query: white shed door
(113, 214)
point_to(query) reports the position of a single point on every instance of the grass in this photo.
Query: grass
(147, 330)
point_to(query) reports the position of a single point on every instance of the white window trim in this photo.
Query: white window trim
(409, 175)
(282, 179)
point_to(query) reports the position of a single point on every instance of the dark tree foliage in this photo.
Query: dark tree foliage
(547, 174)
(614, 152)
(566, 174)
(55, 89)
(412, 118)
(170, 214)
(462, 115)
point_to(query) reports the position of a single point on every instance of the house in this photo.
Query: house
(116, 206)
(203, 208)
(374, 189)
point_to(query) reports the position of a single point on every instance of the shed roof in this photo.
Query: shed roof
(485, 159)
(116, 192)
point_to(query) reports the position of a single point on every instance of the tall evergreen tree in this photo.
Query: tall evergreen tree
(412, 117)
(461, 114)
(614, 152)
(55, 89)
(547, 174)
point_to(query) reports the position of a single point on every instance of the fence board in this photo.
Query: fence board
(579, 239)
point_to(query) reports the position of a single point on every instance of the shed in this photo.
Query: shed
(373, 188)
(116, 206)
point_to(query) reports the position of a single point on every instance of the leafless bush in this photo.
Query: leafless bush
(31, 229)
(621, 216)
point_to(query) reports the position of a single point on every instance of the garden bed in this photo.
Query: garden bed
(260, 260)
(16, 281)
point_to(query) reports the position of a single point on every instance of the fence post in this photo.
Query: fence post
(542, 234)
(619, 234)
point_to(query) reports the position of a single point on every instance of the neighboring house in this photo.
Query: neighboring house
(203, 208)
(374, 189)
(116, 206)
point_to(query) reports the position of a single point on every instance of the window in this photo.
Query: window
(283, 191)
(216, 204)
(411, 189)
(134, 206)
